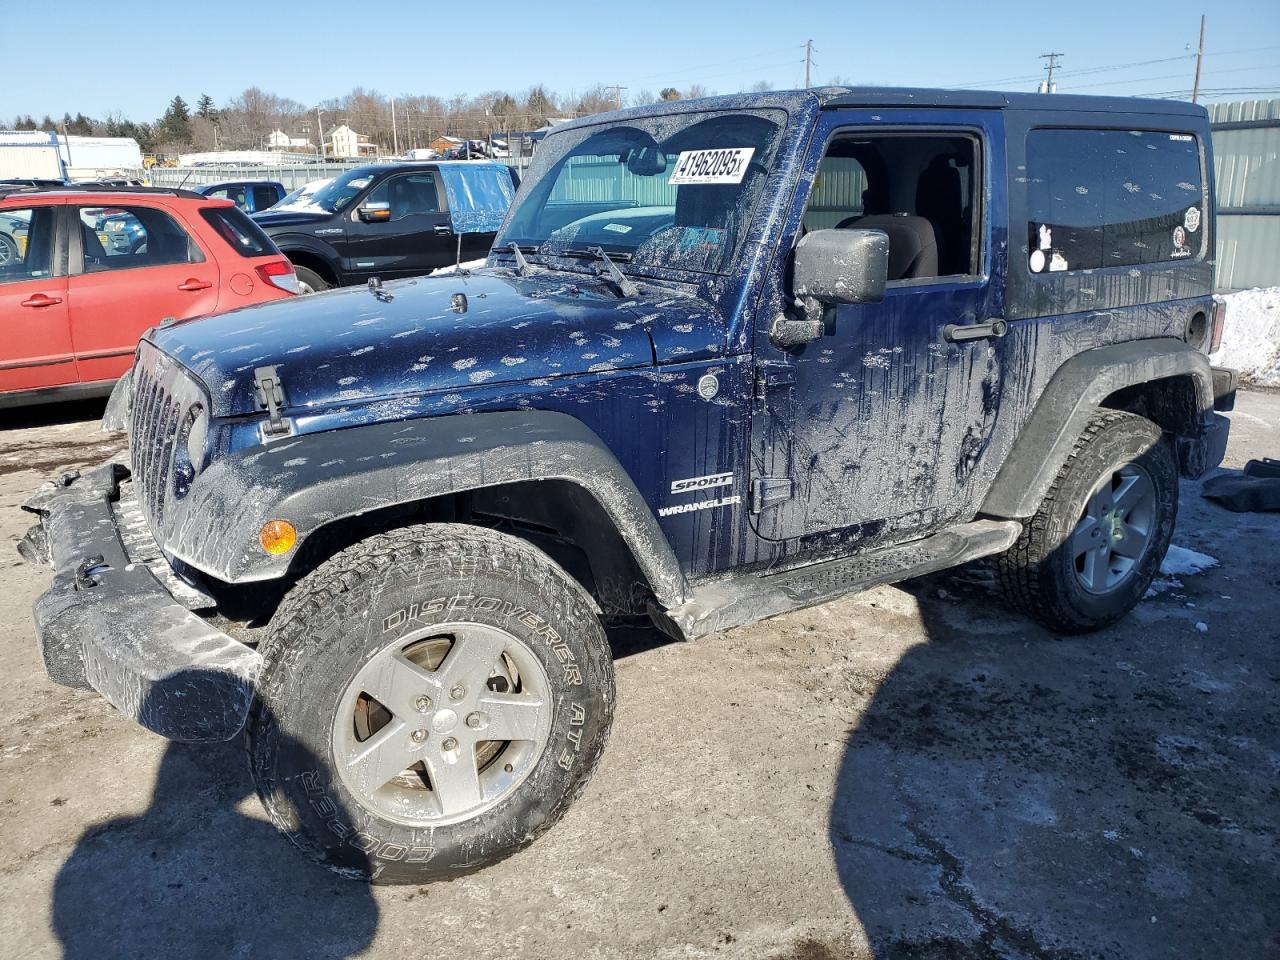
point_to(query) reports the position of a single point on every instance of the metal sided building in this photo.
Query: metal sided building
(1246, 149)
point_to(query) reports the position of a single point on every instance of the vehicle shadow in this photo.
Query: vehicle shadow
(1010, 793)
(202, 873)
(51, 414)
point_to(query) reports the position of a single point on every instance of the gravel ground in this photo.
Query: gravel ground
(909, 773)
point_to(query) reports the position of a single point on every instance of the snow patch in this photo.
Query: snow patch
(465, 265)
(1179, 562)
(1251, 336)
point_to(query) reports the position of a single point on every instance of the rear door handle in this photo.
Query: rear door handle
(959, 332)
(443, 231)
(194, 284)
(41, 300)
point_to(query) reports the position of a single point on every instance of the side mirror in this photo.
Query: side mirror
(375, 211)
(842, 266)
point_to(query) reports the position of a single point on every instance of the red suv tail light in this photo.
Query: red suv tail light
(1219, 318)
(279, 273)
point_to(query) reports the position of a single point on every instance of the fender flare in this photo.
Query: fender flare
(1070, 398)
(316, 479)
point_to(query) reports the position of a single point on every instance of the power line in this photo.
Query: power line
(1105, 68)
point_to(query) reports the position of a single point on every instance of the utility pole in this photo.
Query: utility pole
(320, 130)
(1047, 85)
(808, 62)
(1195, 90)
(617, 95)
(395, 137)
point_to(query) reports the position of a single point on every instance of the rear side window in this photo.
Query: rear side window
(1112, 198)
(122, 238)
(241, 234)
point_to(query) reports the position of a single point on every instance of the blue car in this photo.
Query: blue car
(727, 358)
(251, 196)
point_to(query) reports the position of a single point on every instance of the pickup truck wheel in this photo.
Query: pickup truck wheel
(309, 281)
(1092, 549)
(432, 700)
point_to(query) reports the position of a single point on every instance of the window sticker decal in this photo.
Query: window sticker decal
(1037, 261)
(711, 166)
(1192, 219)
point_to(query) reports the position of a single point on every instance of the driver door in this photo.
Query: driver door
(878, 427)
(400, 229)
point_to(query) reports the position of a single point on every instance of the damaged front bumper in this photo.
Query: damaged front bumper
(110, 624)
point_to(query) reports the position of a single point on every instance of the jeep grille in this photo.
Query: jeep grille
(162, 394)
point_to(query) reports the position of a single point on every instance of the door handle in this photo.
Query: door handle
(443, 231)
(41, 300)
(194, 284)
(960, 332)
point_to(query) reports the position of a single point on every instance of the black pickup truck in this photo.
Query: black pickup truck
(391, 220)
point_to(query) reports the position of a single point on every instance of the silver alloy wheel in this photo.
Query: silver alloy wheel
(305, 288)
(443, 724)
(1115, 529)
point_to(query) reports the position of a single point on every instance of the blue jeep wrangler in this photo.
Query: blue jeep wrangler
(728, 358)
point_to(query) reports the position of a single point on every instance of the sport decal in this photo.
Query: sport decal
(712, 166)
(690, 484)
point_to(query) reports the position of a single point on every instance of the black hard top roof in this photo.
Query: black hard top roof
(999, 100)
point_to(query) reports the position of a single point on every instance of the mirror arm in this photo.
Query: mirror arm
(786, 331)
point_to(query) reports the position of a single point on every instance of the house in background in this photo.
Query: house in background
(441, 145)
(279, 140)
(345, 144)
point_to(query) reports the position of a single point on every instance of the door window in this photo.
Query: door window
(26, 243)
(1112, 198)
(408, 195)
(121, 238)
(264, 197)
(917, 189)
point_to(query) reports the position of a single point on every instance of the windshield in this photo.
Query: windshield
(672, 191)
(340, 191)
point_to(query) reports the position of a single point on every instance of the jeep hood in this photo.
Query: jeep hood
(351, 345)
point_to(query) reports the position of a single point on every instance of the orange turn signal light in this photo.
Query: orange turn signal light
(277, 536)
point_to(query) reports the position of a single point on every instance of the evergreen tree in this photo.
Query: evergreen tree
(206, 109)
(175, 125)
(47, 123)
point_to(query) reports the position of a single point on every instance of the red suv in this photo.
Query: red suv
(84, 272)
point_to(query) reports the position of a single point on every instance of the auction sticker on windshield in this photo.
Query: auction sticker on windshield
(712, 166)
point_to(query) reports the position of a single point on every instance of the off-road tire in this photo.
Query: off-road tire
(1037, 574)
(335, 620)
(309, 278)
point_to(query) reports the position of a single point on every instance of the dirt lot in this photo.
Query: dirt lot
(910, 773)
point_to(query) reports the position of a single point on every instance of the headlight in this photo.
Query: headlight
(197, 436)
(189, 454)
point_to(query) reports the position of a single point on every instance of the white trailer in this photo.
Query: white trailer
(30, 155)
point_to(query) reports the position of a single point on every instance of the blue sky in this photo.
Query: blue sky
(103, 59)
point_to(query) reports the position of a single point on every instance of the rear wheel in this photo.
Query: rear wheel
(309, 281)
(1092, 549)
(432, 700)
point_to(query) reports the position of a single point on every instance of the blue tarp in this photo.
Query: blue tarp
(479, 194)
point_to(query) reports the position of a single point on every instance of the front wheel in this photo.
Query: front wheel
(1092, 549)
(432, 700)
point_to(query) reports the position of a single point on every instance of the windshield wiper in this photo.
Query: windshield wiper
(625, 286)
(522, 265)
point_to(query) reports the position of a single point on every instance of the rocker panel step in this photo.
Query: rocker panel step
(745, 598)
